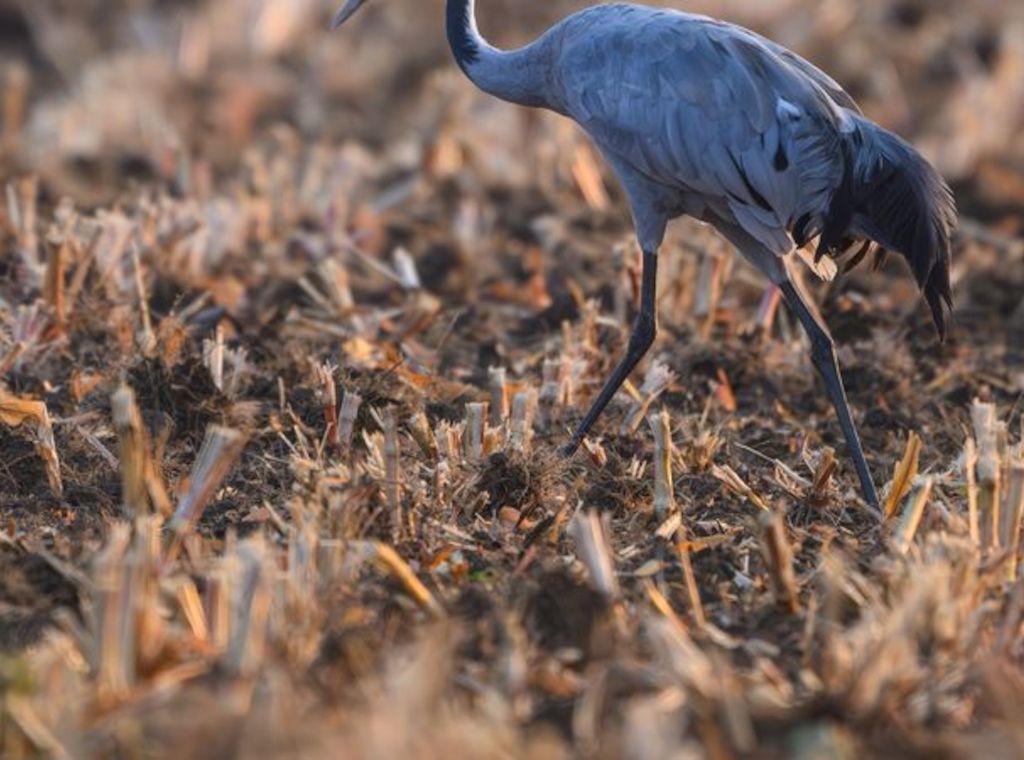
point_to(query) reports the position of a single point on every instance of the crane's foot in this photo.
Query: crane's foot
(569, 449)
(871, 497)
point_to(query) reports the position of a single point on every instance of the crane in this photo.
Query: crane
(699, 117)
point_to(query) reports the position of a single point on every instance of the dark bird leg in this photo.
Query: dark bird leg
(823, 355)
(644, 330)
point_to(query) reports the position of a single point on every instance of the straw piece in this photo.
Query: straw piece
(16, 87)
(250, 606)
(971, 476)
(405, 268)
(399, 568)
(658, 378)
(28, 720)
(524, 405)
(350, 403)
(903, 475)
(147, 342)
(692, 589)
(419, 429)
(912, 514)
(133, 448)
(1012, 513)
(325, 377)
(778, 555)
(588, 178)
(476, 412)
(113, 654)
(662, 605)
(392, 482)
(213, 357)
(15, 411)
(191, 604)
(732, 481)
(983, 417)
(53, 283)
(551, 395)
(592, 547)
(499, 395)
(221, 448)
(664, 500)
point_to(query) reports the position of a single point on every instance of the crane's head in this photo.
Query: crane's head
(346, 12)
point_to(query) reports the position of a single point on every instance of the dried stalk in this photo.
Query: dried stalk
(14, 412)
(475, 415)
(335, 276)
(350, 403)
(731, 480)
(133, 448)
(971, 476)
(221, 448)
(113, 654)
(656, 381)
(400, 570)
(778, 555)
(17, 81)
(524, 404)
(250, 606)
(551, 396)
(213, 357)
(53, 284)
(405, 269)
(586, 172)
(692, 589)
(767, 309)
(148, 341)
(568, 369)
(1012, 513)
(391, 472)
(664, 499)
(28, 720)
(419, 429)
(22, 198)
(330, 562)
(904, 536)
(903, 476)
(325, 376)
(591, 536)
(191, 605)
(983, 417)
(499, 395)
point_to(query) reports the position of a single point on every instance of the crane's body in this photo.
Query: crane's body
(704, 118)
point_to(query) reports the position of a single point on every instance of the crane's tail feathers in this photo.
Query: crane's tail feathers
(901, 202)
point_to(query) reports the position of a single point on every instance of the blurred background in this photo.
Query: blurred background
(99, 91)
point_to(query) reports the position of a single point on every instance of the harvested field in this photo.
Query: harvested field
(293, 324)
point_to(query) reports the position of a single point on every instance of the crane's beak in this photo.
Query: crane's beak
(346, 12)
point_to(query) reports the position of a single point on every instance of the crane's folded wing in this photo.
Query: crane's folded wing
(712, 110)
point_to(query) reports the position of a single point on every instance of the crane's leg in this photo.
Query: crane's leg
(644, 330)
(823, 354)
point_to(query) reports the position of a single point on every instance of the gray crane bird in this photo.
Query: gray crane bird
(700, 117)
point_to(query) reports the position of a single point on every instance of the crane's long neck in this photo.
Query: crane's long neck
(518, 76)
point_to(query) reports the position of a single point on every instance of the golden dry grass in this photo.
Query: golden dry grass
(292, 325)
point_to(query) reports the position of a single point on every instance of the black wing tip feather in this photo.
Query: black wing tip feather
(913, 210)
(935, 283)
(940, 299)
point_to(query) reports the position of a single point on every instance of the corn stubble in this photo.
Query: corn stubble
(312, 413)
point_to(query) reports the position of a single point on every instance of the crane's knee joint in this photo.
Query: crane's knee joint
(644, 331)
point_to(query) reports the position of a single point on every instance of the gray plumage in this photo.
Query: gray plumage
(700, 117)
